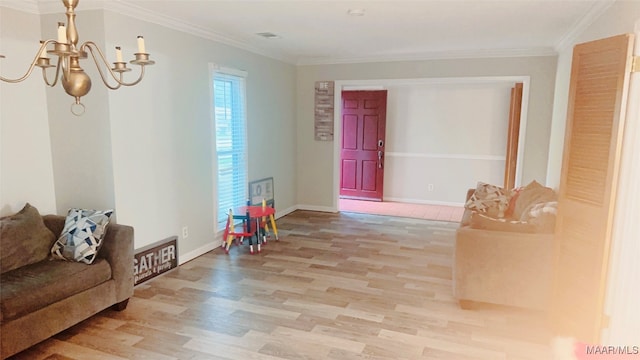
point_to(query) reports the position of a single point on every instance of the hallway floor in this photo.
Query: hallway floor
(417, 211)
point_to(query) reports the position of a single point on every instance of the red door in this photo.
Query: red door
(364, 115)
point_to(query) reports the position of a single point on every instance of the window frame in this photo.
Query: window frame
(215, 72)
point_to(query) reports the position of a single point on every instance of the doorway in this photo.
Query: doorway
(435, 171)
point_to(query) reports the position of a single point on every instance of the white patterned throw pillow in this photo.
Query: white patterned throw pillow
(82, 235)
(488, 199)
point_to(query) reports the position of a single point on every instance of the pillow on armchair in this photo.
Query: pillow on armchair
(489, 199)
(528, 209)
(529, 196)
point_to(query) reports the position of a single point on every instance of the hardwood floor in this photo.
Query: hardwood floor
(336, 286)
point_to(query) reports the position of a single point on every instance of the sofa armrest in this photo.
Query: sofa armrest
(117, 249)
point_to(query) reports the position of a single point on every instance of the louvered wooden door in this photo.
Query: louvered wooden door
(595, 122)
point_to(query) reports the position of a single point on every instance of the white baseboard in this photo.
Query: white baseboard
(183, 258)
(285, 212)
(425, 202)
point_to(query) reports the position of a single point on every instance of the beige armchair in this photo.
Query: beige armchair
(505, 262)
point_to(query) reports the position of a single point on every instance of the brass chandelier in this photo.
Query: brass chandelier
(73, 78)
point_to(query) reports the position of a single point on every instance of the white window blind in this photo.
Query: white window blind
(231, 140)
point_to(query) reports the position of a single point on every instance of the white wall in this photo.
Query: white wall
(162, 132)
(81, 145)
(316, 188)
(450, 135)
(26, 173)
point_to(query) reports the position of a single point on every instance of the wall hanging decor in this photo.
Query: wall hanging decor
(323, 120)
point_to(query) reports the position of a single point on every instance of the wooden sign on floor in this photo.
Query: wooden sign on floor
(155, 259)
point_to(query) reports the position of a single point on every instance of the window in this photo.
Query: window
(231, 139)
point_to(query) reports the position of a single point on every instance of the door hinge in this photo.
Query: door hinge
(635, 64)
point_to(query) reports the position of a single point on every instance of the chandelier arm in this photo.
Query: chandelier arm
(119, 79)
(139, 78)
(13, 81)
(55, 79)
(31, 67)
(91, 46)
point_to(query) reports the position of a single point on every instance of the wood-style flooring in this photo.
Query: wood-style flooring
(336, 286)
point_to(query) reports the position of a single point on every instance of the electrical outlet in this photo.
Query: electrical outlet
(430, 187)
(185, 232)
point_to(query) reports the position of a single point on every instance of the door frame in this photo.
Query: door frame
(623, 265)
(383, 84)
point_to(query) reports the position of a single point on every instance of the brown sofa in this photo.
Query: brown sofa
(40, 297)
(506, 259)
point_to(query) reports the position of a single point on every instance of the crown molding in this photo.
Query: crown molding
(439, 55)
(596, 10)
(127, 9)
(28, 6)
(130, 10)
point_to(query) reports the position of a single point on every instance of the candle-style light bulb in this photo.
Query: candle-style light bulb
(118, 54)
(62, 33)
(141, 48)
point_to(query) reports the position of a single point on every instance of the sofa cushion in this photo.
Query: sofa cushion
(24, 239)
(35, 286)
(82, 235)
(530, 195)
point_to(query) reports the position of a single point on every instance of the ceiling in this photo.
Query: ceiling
(321, 32)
